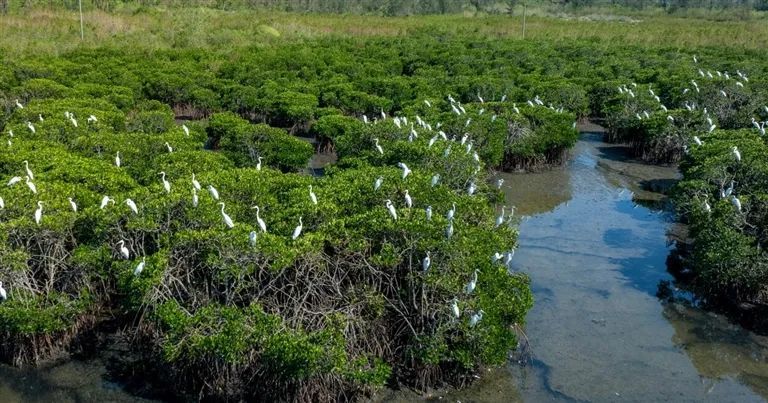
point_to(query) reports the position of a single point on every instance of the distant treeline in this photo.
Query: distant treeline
(391, 7)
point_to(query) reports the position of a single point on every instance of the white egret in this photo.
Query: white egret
(195, 183)
(426, 262)
(471, 188)
(2, 203)
(166, 184)
(195, 200)
(297, 230)
(500, 218)
(140, 267)
(712, 128)
(391, 209)
(227, 219)
(449, 230)
(408, 200)
(73, 120)
(123, 250)
(406, 170)
(117, 159)
(252, 238)
(3, 294)
(707, 207)
(186, 130)
(429, 104)
(455, 308)
(31, 185)
(377, 184)
(132, 206)
(72, 204)
(261, 222)
(432, 141)
(378, 147)
(92, 119)
(14, 180)
(214, 192)
(697, 140)
(496, 257)
(447, 151)
(736, 153)
(31, 127)
(105, 200)
(312, 195)
(470, 287)
(499, 183)
(29, 171)
(473, 321)
(435, 179)
(508, 258)
(736, 203)
(449, 215)
(429, 213)
(258, 164)
(19, 105)
(39, 213)
(168, 146)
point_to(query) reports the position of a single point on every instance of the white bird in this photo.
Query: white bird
(470, 287)
(378, 147)
(3, 294)
(432, 141)
(449, 230)
(429, 105)
(132, 206)
(92, 119)
(297, 230)
(195, 199)
(29, 171)
(140, 267)
(736, 203)
(712, 128)
(168, 146)
(195, 183)
(408, 200)
(14, 180)
(697, 140)
(508, 258)
(312, 195)
(723, 93)
(429, 213)
(391, 209)
(252, 236)
(426, 262)
(166, 184)
(227, 218)
(736, 153)
(406, 170)
(39, 213)
(455, 308)
(435, 179)
(2, 203)
(449, 215)
(473, 321)
(496, 257)
(31, 185)
(500, 218)
(117, 159)
(694, 59)
(214, 192)
(258, 164)
(72, 204)
(123, 250)
(19, 105)
(73, 120)
(471, 188)
(707, 207)
(186, 129)
(377, 184)
(31, 127)
(105, 200)
(499, 183)
(261, 222)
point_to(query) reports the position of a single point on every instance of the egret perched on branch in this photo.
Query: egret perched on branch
(707, 207)
(476, 318)
(19, 105)
(736, 153)
(14, 180)
(391, 209)
(258, 164)
(435, 179)
(123, 250)
(470, 287)
(378, 147)
(261, 222)
(29, 172)
(408, 200)
(471, 188)
(377, 184)
(297, 230)
(31, 127)
(195, 183)
(2, 203)
(227, 220)
(3, 294)
(31, 186)
(72, 204)
(429, 213)
(39, 213)
(92, 119)
(195, 199)
(426, 262)
(117, 159)
(449, 215)
(455, 308)
(105, 200)
(132, 206)
(500, 219)
(186, 130)
(312, 195)
(406, 170)
(736, 203)
(449, 230)
(166, 184)
(429, 104)
(168, 146)
(73, 120)
(252, 236)
(697, 140)
(140, 267)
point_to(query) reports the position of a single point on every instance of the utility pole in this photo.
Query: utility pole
(80, 3)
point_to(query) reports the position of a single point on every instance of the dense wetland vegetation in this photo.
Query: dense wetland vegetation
(156, 196)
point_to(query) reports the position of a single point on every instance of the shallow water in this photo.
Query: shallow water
(597, 332)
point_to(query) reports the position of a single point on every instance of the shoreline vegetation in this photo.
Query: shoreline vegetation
(233, 274)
